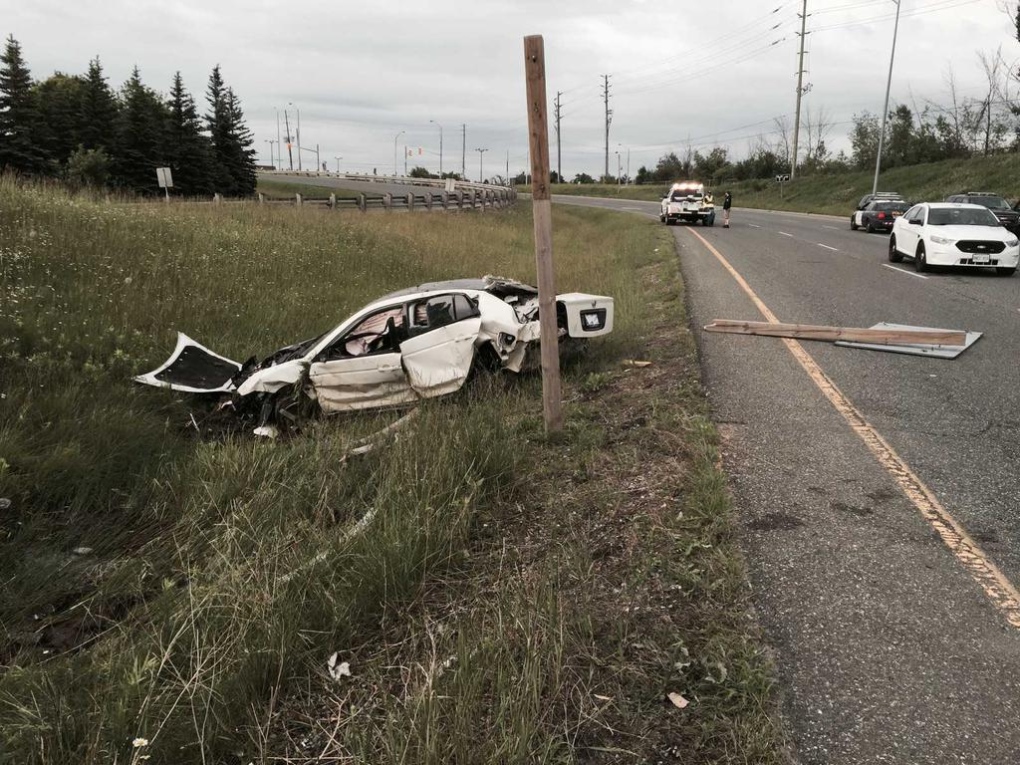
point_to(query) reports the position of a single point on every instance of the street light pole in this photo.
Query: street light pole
(440, 146)
(480, 153)
(290, 151)
(885, 109)
(338, 164)
(463, 152)
(395, 138)
(279, 143)
(270, 141)
(619, 171)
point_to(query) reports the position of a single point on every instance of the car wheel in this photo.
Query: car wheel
(920, 259)
(895, 256)
(662, 219)
(1005, 270)
(868, 227)
(853, 223)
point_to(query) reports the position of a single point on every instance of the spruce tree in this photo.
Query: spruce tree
(242, 155)
(98, 111)
(19, 117)
(141, 137)
(188, 151)
(218, 124)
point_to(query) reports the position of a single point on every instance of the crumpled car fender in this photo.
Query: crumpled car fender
(274, 378)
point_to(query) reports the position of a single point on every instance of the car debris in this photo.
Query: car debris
(413, 344)
(914, 349)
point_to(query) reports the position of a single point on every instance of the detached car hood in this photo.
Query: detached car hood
(193, 368)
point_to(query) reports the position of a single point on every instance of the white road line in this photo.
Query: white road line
(902, 271)
(632, 208)
(783, 233)
(826, 246)
(833, 228)
(754, 225)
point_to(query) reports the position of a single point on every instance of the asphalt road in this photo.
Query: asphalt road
(887, 648)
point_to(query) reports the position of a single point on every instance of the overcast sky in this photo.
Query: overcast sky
(712, 73)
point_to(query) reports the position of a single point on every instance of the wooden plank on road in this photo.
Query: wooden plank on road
(850, 334)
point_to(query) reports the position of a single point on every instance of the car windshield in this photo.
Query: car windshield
(991, 202)
(684, 193)
(891, 206)
(961, 216)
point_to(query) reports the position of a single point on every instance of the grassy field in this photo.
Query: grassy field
(511, 597)
(838, 194)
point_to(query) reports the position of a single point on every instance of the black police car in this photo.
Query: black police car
(1008, 216)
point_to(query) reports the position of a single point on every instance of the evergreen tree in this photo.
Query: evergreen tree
(188, 151)
(19, 117)
(98, 110)
(218, 124)
(242, 155)
(141, 137)
(233, 165)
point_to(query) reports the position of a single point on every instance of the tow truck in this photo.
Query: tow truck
(687, 201)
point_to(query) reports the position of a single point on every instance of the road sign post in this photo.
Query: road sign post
(781, 179)
(165, 180)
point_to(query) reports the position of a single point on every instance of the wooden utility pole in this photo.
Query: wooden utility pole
(538, 131)
(800, 90)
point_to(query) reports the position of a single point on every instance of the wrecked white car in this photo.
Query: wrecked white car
(418, 343)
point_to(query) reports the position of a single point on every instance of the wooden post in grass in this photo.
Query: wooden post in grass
(538, 131)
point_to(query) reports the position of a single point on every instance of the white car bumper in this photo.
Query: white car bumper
(951, 255)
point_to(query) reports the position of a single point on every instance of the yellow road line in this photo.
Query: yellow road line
(997, 587)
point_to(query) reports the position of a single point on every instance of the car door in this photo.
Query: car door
(911, 232)
(438, 354)
(361, 369)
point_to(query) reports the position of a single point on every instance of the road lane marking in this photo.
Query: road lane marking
(833, 228)
(999, 590)
(783, 233)
(754, 225)
(826, 246)
(903, 271)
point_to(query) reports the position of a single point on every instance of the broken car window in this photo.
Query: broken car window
(440, 311)
(381, 332)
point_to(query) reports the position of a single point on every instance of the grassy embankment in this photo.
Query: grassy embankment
(516, 598)
(838, 194)
(277, 189)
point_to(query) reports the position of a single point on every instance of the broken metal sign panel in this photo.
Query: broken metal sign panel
(915, 349)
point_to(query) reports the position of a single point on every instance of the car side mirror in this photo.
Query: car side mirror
(914, 221)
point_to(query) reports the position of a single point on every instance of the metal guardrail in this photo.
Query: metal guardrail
(491, 197)
(401, 180)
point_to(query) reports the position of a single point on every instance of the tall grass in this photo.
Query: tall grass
(173, 587)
